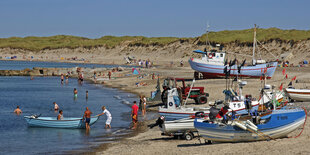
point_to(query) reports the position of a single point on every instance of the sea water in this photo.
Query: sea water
(37, 96)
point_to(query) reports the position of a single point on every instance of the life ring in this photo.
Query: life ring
(170, 104)
(210, 55)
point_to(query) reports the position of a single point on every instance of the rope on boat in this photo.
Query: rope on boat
(303, 127)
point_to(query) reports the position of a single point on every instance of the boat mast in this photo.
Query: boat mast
(207, 36)
(254, 44)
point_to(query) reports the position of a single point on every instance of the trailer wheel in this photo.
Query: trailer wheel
(208, 141)
(202, 99)
(188, 136)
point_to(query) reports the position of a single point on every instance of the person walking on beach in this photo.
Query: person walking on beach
(109, 117)
(18, 111)
(134, 114)
(109, 74)
(95, 76)
(141, 103)
(75, 92)
(60, 116)
(144, 105)
(86, 117)
(56, 107)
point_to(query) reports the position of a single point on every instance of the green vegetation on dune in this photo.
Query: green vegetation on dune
(246, 36)
(223, 37)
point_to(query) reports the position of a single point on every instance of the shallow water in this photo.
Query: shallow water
(36, 97)
(20, 65)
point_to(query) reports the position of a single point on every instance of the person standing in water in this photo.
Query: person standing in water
(60, 116)
(56, 107)
(18, 111)
(134, 114)
(144, 105)
(86, 94)
(67, 78)
(62, 79)
(75, 92)
(109, 117)
(86, 117)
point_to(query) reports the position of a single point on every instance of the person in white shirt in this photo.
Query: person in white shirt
(109, 117)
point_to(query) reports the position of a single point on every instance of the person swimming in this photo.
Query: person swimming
(75, 92)
(18, 111)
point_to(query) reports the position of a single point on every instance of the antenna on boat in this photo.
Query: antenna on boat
(207, 36)
(254, 45)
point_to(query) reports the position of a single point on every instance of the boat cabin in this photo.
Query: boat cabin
(212, 57)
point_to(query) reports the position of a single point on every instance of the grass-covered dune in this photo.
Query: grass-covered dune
(223, 37)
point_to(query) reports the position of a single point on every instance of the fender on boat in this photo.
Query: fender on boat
(240, 125)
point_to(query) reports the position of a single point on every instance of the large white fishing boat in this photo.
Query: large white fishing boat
(212, 64)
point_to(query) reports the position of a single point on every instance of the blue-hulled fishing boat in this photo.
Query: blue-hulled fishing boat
(276, 125)
(52, 122)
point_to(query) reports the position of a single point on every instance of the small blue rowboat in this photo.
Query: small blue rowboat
(52, 122)
(276, 125)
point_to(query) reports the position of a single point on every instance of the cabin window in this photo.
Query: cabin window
(221, 55)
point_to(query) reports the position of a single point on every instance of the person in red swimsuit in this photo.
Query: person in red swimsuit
(134, 114)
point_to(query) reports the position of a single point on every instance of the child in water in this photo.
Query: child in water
(75, 92)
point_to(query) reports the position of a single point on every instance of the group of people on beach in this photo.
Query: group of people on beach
(145, 63)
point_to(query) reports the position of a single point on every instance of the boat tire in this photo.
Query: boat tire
(176, 136)
(188, 136)
(201, 99)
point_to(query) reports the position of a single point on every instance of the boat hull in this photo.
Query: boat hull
(179, 113)
(281, 123)
(180, 125)
(214, 71)
(298, 94)
(51, 122)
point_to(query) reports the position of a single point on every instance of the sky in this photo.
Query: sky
(157, 18)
